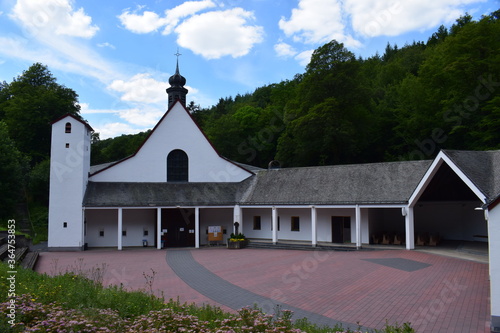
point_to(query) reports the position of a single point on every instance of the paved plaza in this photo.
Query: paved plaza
(435, 293)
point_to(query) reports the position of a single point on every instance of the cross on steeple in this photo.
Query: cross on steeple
(177, 82)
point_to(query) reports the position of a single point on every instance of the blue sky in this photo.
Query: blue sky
(118, 55)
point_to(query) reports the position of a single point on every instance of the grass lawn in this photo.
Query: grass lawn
(72, 302)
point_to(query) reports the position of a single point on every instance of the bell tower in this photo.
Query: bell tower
(177, 90)
(69, 170)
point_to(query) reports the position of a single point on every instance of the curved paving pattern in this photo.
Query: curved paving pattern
(214, 287)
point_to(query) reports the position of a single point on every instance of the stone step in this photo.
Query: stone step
(20, 253)
(291, 246)
(30, 260)
(3, 251)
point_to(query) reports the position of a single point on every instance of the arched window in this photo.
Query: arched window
(177, 166)
(68, 128)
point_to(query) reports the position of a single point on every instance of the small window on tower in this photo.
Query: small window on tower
(101, 233)
(67, 145)
(145, 232)
(65, 224)
(68, 128)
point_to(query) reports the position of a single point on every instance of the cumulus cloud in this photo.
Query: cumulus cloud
(53, 17)
(220, 33)
(141, 23)
(316, 21)
(389, 18)
(188, 8)
(284, 50)
(136, 119)
(141, 88)
(148, 21)
(349, 21)
(211, 34)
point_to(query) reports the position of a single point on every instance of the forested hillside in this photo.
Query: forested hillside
(407, 103)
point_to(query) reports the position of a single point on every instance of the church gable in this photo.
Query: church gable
(176, 139)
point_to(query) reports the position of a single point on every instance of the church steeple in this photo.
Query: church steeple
(177, 90)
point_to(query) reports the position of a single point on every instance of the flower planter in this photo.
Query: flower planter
(237, 244)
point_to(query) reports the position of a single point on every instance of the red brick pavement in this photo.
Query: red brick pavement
(451, 295)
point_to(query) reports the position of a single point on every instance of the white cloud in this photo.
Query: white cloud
(188, 8)
(212, 34)
(53, 17)
(220, 33)
(110, 130)
(146, 116)
(148, 21)
(141, 23)
(284, 50)
(141, 88)
(317, 22)
(304, 58)
(85, 109)
(50, 28)
(389, 18)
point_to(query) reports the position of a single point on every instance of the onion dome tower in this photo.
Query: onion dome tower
(177, 90)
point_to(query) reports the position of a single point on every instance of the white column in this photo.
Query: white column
(409, 228)
(275, 225)
(158, 228)
(120, 227)
(237, 218)
(358, 227)
(494, 263)
(314, 236)
(197, 227)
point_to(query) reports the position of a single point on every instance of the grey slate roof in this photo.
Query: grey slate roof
(375, 183)
(118, 194)
(98, 167)
(481, 167)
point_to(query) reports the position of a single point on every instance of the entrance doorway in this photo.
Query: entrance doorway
(179, 226)
(341, 229)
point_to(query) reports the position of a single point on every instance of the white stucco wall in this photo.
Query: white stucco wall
(323, 223)
(284, 232)
(69, 167)
(177, 130)
(101, 219)
(134, 222)
(494, 258)
(265, 231)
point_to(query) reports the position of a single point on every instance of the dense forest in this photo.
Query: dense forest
(405, 104)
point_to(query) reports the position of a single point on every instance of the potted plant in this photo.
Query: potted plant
(238, 241)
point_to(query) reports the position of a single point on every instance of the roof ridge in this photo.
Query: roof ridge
(348, 165)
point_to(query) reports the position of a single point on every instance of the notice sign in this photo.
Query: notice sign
(214, 233)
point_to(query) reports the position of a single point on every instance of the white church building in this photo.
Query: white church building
(176, 186)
